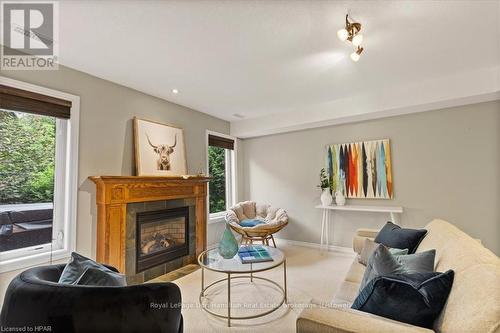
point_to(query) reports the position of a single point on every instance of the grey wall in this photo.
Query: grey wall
(446, 164)
(106, 140)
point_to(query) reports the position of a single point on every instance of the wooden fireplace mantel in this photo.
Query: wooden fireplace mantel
(113, 193)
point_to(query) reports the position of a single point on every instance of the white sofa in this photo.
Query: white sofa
(473, 304)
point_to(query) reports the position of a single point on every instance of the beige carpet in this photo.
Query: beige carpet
(310, 274)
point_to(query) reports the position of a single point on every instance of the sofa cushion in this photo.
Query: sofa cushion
(355, 272)
(238, 210)
(97, 277)
(261, 210)
(248, 223)
(78, 266)
(416, 298)
(370, 246)
(347, 292)
(393, 235)
(31, 215)
(271, 213)
(248, 209)
(382, 262)
(5, 218)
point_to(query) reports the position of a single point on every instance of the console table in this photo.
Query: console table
(325, 221)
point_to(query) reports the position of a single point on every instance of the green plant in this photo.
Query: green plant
(27, 157)
(323, 179)
(217, 170)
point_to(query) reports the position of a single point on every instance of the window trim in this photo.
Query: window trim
(69, 185)
(231, 188)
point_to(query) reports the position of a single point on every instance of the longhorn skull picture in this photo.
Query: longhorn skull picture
(163, 151)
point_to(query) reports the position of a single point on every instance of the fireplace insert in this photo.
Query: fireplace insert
(162, 236)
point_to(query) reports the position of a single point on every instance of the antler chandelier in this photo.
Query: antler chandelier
(351, 34)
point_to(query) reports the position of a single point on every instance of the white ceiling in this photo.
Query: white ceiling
(274, 60)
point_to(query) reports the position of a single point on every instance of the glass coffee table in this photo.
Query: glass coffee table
(235, 269)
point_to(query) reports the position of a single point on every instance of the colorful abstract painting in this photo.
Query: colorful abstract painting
(361, 169)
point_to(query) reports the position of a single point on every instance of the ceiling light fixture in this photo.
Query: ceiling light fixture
(351, 34)
(356, 54)
(356, 40)
(342, 34)
(175, 91)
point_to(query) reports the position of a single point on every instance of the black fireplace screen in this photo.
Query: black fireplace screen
(162, 236)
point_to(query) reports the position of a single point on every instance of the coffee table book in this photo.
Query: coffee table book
(253, 253)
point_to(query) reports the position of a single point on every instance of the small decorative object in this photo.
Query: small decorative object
(361, 169)
(339, 198)
(159, 149)
(326, 196)
(228, 246)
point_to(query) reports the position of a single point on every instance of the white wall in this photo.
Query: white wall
(106, 139)
(446, 163)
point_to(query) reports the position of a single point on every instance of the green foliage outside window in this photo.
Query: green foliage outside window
(217, 170)
(27, 157)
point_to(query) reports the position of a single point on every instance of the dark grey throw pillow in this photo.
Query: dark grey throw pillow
(98, 277)
(370, 246)
(416, 298)
(402, 238)
(382, 262)
(78, 265)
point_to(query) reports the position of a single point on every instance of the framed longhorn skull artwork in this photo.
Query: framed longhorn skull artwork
(159, 149)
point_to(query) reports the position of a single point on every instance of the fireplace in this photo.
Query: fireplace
(120, 199)
(162, 236)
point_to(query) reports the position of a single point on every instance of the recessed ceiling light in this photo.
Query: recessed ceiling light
(175, 91)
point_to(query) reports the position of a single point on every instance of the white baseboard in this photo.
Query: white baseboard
(334, 248)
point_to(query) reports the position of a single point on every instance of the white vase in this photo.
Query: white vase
(339, 198)
(326, 197)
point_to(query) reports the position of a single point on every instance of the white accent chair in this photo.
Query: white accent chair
(274, 219)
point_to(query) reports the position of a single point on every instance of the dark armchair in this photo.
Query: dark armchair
(35, 299)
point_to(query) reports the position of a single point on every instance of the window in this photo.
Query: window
(38, 170)
(221, 167)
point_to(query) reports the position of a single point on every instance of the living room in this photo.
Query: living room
(250, 166)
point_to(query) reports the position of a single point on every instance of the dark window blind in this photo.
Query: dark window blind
(217, 141)
(15, 99)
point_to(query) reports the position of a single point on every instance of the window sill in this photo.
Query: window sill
(217, 218)
(33, 260)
